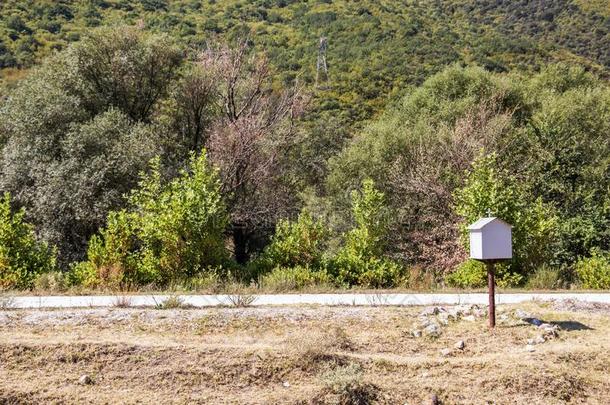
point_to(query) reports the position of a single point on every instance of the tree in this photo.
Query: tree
(78, 130)
(249, 140)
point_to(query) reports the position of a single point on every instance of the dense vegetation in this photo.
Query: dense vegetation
(143, 158)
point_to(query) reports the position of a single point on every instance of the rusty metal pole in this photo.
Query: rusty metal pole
(491, 286)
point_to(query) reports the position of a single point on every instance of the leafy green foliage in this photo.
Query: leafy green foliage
(473, 274)
(78, 130)
(594, 271)
(360, 261)
(174, 231)
(545, 278)
(22, 257)
(181, 224)
(492, 191)
(299, 243)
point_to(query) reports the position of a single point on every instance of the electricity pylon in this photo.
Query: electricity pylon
(321, 65)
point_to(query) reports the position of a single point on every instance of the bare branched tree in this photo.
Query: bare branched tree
(250, 138)
(423, 179)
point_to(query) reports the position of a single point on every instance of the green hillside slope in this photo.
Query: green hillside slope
(375, 48)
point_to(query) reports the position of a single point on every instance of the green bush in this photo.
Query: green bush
(491, 189)
(22, 257)
(296, 244)
(173, 232)
(594, 272)
(295, 278)
(473, 274)
(360, 261)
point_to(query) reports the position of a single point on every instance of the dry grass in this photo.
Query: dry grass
(306, 355)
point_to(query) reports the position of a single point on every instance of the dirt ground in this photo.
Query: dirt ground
(300, 355)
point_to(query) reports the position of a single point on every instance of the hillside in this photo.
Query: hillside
(375, 48)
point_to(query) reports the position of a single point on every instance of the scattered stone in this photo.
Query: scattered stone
(443, 318)
(521, 314)
(416, 333)
(549, 331)
(459, 345)
(432, 330)
(539, 339)
(286, 384)
(470, 318)
(430, 311)
(446, 352)
(434, 400)
(530, 342)
(504, 317)
(530, 348)
(85, 380)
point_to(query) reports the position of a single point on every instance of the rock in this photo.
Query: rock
(85, 380)
(539, 339)
(530, 348)
(521, 314)
(286, 384)
(443, 318)
(530, 342)
(549, 331)
(446, 352)
(430, 311)
(504, 317)
(434, 400)
(459, 345)
(416, 333)
(469, 318)
(432, 330)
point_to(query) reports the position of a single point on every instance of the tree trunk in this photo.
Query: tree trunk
(240, 244)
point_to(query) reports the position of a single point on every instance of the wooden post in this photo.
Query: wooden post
(491, 287)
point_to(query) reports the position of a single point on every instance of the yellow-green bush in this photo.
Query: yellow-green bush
(295, 278)
(594, 271)
(22, 256)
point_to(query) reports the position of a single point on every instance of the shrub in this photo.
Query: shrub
(53, 281)
(22, 257)
(545, 278)
(490, 188)
(173, 232)
(346, 384)
(294, 278)
(180, 225)
(473, 274)
(469, 274)
(594, 272)
(360, 261)
(296, 244)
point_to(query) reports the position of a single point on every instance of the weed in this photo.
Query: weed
(345, 385)
(172, 302)
(7, 303)
(122, 301)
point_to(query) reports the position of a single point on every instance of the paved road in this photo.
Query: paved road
(295, 299)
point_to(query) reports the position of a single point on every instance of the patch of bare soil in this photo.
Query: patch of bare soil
(304, 355)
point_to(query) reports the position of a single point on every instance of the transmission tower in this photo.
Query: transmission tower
(321, 64)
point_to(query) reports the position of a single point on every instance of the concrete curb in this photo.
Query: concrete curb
(299, 299)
